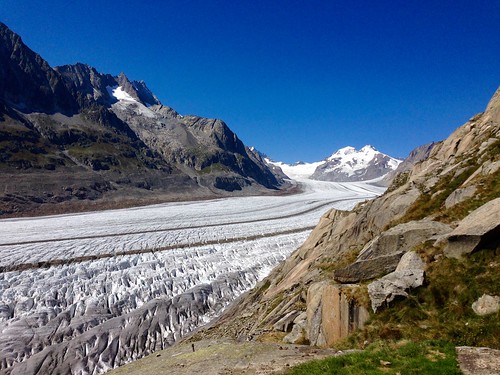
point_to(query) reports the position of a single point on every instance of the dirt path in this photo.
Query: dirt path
(224, 357)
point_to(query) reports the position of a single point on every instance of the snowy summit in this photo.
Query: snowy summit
(345, 165)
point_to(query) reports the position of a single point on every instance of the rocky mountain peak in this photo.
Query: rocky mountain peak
(28, 82)
(342, 152)
(349, 164)
(110, 133)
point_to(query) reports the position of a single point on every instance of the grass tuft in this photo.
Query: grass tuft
(407, 357)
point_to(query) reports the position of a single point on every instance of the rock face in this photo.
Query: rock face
(349, 164)
(417, 155)
(88, 135)
(408, 274)
(480, 228)
(331, 315)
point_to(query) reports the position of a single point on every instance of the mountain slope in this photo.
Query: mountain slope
(320, 295)
(70, 135)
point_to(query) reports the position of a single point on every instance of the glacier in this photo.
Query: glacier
(83, 293)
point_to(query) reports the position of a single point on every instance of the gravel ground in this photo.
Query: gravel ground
(224, 357)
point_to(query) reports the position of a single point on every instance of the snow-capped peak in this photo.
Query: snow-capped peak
(349, 164)
(345, 164)
(342, 152)
(368, 148)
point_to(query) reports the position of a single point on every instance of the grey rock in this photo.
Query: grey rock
(486, 305)
(480, 229)
(367, 269)
(417, 155)
(298, 333)
(383, 254)
(286, 323)
(478, 361)
(408, 274)
(459, 196)
(403, 237)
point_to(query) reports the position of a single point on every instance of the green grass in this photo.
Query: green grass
(216, 167)
(442, 308)
(427, 357)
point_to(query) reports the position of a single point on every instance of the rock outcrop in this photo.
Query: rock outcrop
(408, 274)
(382, 254)
(332, 314)
(480, 228)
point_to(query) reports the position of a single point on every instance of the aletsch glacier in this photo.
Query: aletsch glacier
(180, 265)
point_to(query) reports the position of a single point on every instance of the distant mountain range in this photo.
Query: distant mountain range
(345, 165)
(72, 135)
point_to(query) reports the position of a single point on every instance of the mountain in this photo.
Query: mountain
(345, 165)
(72, 138)
(349, 164)
(416, 263)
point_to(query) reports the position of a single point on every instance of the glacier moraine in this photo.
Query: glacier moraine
(84, 293)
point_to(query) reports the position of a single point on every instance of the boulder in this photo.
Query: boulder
(285, 324)
(459, 196)
(383, 254)
(331, 314)
(367, 269)
(486, 305)
(408, 274)
(480, 229)
(298, 333)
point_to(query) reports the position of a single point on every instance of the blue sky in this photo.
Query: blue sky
(296, 79)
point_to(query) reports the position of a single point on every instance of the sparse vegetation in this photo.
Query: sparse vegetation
(216, 167)
(404, 357)
(399, 180)
(327, 266)
(442, 309)
(488, 188)
(429, 203)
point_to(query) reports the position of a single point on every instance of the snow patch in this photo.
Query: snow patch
(120, 94)
(126, 101)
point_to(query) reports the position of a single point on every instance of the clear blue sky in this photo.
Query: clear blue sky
(296, 79)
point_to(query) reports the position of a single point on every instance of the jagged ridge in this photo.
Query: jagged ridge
(109, 131)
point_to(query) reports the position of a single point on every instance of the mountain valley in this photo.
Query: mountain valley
(130, 232)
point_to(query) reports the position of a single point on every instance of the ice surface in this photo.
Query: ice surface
(297, 171)
(73, 286)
